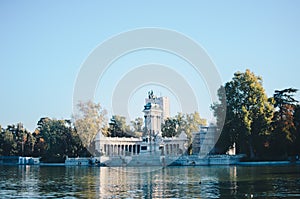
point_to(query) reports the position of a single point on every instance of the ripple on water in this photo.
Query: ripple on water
(170, 182)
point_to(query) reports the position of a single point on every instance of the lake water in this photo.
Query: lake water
(150, 182)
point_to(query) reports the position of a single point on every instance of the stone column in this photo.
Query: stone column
(134, 149)
(106, 149)
(167, 149)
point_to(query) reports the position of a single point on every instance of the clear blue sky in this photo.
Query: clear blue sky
(44, 43)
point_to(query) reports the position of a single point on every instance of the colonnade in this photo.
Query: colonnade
(171, 149)
(121, 149)
(134, 149)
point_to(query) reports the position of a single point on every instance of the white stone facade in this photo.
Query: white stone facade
(153, 119)
(108, 146)
(163, 102)
(149, 145)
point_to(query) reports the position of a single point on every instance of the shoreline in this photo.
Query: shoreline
(213, 160)
(257, 163)
(275, 163)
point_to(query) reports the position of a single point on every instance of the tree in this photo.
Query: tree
(8, 144)
(121, 123)
(14, 140)
(193, 121)
(57, 139)
(284, 129)
(137, 124)
(169, 128)
(52, 134)
(29, 144)
(137, 127)
(39, 145)
(20, 135)
(248, 113)
(118, 127)
(187, 123)
(89, 119)
(297, 133)
(285, 96)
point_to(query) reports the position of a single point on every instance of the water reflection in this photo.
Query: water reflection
(170, 182)
(143, 182)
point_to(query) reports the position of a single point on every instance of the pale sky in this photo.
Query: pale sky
(44, 44)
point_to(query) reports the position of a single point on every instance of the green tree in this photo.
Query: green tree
(118, 127)
(52, 135)
(14, 140)
(283, 97)
(297, 127)
(89, 119)
(8, 144)
(284, 129)
(190, 123)
(193, 121)
(57, 139)
(187, 123)
(40, 146)
(29, 144)
(248, 113)
(20, 134)
(169, 127)
(137, 126)
(121, 123)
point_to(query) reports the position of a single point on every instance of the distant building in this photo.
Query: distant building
(15, 160)
(163, 102)
(204, 140)
(153, 119)
(151, 148)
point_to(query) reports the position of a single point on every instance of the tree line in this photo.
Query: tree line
(262, 127)
(53, 140)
